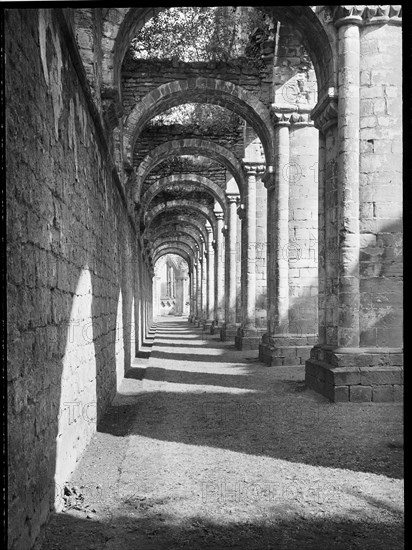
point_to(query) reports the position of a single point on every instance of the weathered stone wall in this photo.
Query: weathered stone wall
(71, 265)
(380, 187)
(139, 77)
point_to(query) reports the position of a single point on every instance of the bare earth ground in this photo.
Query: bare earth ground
(204, 447)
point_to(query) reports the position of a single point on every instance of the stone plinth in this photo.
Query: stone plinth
(356, 374)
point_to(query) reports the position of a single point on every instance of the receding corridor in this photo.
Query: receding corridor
(205, 448)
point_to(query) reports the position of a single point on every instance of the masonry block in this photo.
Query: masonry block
(360, 394)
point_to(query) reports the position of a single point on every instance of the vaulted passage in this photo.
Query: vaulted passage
(204, 220)
(204, 448)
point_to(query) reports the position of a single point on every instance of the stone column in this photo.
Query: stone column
(229, 329)
(341, 367)
(202, 289)
(219, 273)
(210, 285)
(247, 336)
(292, 259)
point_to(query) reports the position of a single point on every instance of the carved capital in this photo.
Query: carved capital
(367, 15)
(283, 114)
(325, 112)
(219, 215)
(253, 168)
(232, 198)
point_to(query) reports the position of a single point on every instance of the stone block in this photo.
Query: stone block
(382, 394)
(341, 394)
(380, 375)
(360, 394)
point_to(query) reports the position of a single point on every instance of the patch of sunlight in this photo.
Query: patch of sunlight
(77, 411)
(205, 481)
(130, 387)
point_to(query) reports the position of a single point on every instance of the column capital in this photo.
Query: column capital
(209, 229)
(325, 112)
(232, 198)
(285, 114)
(367, 15)
(241, 211)
(219, 215)
(253, 168)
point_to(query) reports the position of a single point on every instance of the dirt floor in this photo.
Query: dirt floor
(204, 447)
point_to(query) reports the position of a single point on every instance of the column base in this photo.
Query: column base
(207, 325)
(247, 338)
(228, 332)
(357, 375)
(216, 327)
(286, 350)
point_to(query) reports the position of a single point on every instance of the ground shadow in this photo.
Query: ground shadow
(146, 530)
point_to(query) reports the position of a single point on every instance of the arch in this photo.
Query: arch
(201, 181)
(179, 245)
(180, 203)
(201, 90)
(187, 221)
(182, 230)
(188, 240)
(191, 147)
(120, 25)
(174, 250)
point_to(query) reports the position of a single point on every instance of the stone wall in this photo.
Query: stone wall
(71, 266)
(380, 187)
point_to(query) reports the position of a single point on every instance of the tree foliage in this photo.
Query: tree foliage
(198, 33)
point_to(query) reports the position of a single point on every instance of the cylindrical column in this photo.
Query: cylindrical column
(348, 181)
(249, 321)
(210, 276)
(220, 270)
(278, 236)
(230, 313)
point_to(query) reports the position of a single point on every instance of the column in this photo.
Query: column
(229, 329)
(338, 367)
(248, 337)
(210, 285)
(219, 272)
(277, 183)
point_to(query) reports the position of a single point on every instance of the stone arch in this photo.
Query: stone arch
(200, 90)
(191, 147)
(181, 203)
(186, 221)
(176, 245)
(174, 250)
(164, 237)
(181, 230)
(120, 25)
(202, 182)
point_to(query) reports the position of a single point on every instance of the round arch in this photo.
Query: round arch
(204, 183)
(174, 250)
(182, 237)
(175, 246)
(192, 146)
(200, 90)
(177, 204)
(120, 25)
(184, 221)
(181, 230)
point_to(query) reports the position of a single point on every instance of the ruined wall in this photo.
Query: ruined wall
(70, 268)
